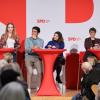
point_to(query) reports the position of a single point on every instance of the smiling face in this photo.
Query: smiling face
(55, 37)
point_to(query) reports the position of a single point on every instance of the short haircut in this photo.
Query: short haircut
(36, 28)
(92, 29)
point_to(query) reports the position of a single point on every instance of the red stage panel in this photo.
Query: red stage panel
(78, 11)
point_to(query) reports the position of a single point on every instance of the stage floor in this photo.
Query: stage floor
(68, 96)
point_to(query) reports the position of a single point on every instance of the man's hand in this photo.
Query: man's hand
(96, 47)
(91, 47)
(36, 47)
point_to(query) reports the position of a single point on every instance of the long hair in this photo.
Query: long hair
(60, 37)
(13, 32)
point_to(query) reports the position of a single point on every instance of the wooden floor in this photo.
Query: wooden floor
(51, 98)
(68, 96)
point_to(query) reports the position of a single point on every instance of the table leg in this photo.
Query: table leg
(48, 86)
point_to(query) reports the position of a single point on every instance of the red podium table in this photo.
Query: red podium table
(48, 86)
(96, 52)
(5, 50)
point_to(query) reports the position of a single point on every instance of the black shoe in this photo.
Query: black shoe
(58, 80)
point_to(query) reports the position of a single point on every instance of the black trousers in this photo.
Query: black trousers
(58, 65)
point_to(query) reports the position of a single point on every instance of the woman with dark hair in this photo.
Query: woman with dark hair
(10, 39)
(57, 43)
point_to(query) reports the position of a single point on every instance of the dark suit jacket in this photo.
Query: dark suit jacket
(88, 43)
(93, 77)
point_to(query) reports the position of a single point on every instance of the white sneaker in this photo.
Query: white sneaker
(62, 89)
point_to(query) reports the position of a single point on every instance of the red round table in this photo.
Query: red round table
(48, 86)
(5, 50)
(96, 52)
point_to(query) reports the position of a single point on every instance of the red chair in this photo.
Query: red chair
(72, 69)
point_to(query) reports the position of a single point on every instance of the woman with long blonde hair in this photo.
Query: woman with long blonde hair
(10, 39)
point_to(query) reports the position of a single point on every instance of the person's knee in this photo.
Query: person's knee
(38, 66)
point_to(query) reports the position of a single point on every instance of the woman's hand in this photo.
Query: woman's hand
(53, 47)
(49, 46)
